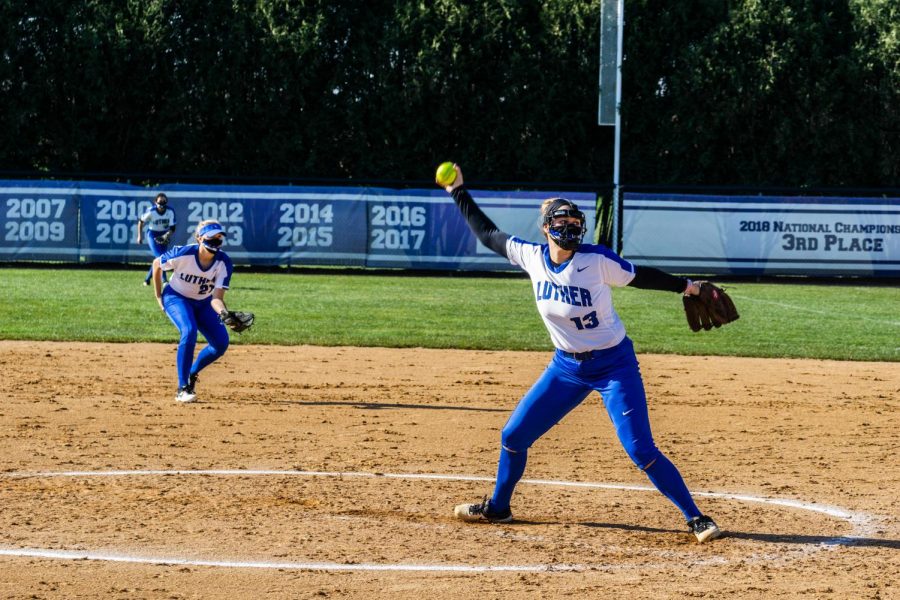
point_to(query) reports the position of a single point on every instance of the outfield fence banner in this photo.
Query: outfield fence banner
(764, 235)
(39, 222)
(94, 222)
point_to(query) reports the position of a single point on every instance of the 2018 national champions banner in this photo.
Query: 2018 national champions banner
(92, 222)
(763, 234)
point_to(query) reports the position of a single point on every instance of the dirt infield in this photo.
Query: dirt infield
(353, 458)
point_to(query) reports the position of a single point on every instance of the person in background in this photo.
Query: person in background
(160, 223)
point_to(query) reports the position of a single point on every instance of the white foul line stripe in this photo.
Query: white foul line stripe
(798, 504)
(862, 523)
(292, 566)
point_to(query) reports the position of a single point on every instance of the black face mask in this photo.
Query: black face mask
(567, 236)
(161, 207)
(212, 244)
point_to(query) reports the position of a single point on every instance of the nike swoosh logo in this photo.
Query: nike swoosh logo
(581, 269)
(627, 412)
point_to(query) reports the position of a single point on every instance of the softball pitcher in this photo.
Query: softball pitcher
(195, 301)
(160, 223)
(571, 284)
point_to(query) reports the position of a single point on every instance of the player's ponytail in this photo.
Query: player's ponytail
(545, 208)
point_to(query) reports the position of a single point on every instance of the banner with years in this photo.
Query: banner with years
(263, 225)
(268, 225)
(39, 221)
(423, 229)
(763, 235)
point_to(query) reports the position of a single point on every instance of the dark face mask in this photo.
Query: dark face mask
(213, 244)
(160, 207)
(567, 236)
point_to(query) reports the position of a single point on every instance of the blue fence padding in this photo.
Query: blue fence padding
(87, 222)
(39, 220)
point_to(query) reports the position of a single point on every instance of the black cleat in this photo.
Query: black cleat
(482, 510)
(704, 528)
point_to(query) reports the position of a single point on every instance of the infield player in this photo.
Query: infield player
(195, 300)
(571, 284)
(160, 223)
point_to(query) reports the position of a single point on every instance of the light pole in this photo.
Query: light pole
(609, 112)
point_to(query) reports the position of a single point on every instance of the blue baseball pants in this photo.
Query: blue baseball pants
(191, 317)
(566, 382)
(157, 250)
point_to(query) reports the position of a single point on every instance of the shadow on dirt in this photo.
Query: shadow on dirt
(384, 405)
(770, 538)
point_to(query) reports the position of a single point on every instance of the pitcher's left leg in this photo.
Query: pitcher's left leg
(626, 404)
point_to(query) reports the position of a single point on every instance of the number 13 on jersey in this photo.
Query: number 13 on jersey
(588, 321)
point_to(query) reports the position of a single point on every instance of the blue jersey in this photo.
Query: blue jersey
(191, 280)
(574, 298)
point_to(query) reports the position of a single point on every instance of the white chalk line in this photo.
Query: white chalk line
(861, 523)
(829, 313)
(287, 566)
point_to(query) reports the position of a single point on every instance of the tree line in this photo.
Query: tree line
(715, 92)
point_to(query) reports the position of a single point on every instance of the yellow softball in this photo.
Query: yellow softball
(446, 174)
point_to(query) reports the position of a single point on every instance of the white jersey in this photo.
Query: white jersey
(191, 280)
(158, 223)
(574, 298)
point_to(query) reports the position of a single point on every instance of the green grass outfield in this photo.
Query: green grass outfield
(844, 322)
